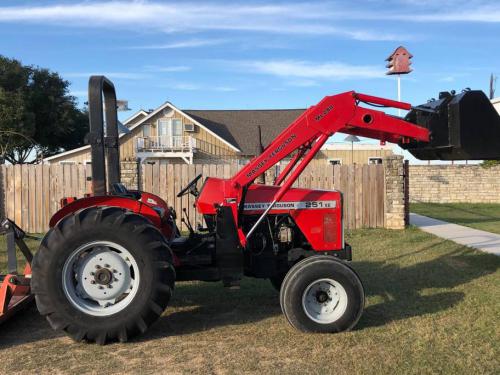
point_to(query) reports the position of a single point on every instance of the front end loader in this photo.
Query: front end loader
(106, 269)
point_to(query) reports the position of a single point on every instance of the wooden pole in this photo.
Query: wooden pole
(399, 93)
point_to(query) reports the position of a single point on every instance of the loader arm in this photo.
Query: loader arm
(338, 113)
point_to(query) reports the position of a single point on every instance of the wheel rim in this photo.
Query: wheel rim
(100, 278)
(324, 301)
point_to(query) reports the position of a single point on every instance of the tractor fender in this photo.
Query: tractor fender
(127, 203)
(130, 204)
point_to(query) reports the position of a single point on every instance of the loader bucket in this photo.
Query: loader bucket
(464, 126)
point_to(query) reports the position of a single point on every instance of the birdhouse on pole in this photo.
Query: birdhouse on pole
(399, 61)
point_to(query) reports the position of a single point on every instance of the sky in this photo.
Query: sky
(255, 54)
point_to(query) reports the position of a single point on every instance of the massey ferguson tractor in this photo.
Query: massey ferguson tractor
(106, 269)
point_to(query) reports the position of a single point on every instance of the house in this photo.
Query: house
(192, 136)
(169, 134)
(347, 154)
(496, 103)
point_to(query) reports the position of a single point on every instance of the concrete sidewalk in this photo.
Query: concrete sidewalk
(479, 239)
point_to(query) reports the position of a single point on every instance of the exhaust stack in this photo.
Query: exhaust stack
(462, 126)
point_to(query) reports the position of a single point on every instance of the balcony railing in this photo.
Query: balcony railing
(165, 143)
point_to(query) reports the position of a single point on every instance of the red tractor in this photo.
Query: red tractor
(106, 269)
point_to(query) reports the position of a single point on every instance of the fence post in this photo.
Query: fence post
(130, 174)
(394, 192)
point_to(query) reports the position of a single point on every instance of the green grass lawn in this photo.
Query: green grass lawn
(484, 216)
(21, 261)
(432, 307)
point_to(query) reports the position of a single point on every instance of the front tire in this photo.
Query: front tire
(103, 274)
(322, 294)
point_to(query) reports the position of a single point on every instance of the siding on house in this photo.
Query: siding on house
(135, 118)
(206, 142)
(359, 156)
(79, 157)
(208, 146)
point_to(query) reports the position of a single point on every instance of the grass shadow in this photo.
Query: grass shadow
(400, 289)
(200, 306)
(27, 326)
(206, 306)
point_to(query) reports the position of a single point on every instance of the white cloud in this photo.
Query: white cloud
(452, 76)
(307, 71)
(303, 83)
(167, 69)
(484, 11)
(306, 18)
(447, 79)
(115, 75)
(284, 18)
(192, 43)
(79, 93)
(224, 88)
(185, 86)
(486, 14)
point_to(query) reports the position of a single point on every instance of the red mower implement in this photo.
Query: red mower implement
(106, 269)
(15, 289)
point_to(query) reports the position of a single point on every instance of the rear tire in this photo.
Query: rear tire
(112, 301)
(322, 294)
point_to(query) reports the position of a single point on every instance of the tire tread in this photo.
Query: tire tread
(130, 224)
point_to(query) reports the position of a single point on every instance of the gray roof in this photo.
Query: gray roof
(240, 127)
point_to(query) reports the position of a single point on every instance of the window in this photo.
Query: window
(176, 127)
(146, 130)
(374, 160)
(163, 127)
(335, 161)
(170, 127)
(170, 132)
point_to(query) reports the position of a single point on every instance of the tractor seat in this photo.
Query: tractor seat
(120, 190)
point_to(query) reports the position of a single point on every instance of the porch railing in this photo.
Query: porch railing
(165, 143)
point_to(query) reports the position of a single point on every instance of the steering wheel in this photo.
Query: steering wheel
(191, 187)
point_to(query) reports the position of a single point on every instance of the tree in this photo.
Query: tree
(38, 117)
(490, 163)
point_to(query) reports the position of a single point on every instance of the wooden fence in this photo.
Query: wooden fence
(362, 185)
(32, 192)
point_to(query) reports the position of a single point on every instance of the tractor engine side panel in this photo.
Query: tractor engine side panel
(317, 213)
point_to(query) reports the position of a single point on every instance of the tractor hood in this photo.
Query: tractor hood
(462, 126)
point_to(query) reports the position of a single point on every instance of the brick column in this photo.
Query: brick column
(129, 174)
(406, 181)
(394, 192)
